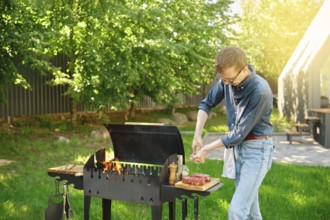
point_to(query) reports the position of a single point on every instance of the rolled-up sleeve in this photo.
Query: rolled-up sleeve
(214, 97)
(252, 113)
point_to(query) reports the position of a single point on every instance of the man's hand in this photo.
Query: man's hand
(199, 156)
(197, 144)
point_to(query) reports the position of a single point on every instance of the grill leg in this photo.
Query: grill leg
(171, 206)
(106, 208)
(157, 212)
(184, 208)
(87, 204)
(196, 207)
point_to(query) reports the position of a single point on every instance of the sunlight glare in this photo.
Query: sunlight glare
(9, 208)
(81, 159)
(299, 199)
(310, 45)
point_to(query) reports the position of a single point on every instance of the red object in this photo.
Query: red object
(197, 181)
(206, 177)
(186, 180)
(252, 137)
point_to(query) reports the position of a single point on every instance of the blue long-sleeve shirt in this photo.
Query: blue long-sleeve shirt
(249, 106)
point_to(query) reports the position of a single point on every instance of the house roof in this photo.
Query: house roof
(311, 43)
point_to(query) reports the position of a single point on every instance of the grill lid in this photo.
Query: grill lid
(151, 144)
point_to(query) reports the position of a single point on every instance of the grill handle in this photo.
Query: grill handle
(93, 161)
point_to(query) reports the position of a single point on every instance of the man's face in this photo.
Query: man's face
(232, 76)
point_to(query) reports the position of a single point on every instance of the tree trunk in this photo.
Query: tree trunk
(170, 109)
(73, 113)
(173, 110)
(132, 110)
(100, 115)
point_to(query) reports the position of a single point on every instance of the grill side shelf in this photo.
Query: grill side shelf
(169, 193)
(73, 174)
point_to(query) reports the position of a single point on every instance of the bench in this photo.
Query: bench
(312, 121)
(312, 118)
(291, 134)
(300, 127)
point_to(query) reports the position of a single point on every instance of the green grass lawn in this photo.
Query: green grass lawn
(288, 192)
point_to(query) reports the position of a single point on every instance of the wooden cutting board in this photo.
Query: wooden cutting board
(206, 186)
(72, 169)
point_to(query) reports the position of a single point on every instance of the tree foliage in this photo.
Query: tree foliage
(271, 30)
(120, 51)
(19, 27)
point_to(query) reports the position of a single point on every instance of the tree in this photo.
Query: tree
(18, 39)
(271, 30)
(121, 51)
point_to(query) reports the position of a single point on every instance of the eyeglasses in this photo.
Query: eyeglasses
(230, 81)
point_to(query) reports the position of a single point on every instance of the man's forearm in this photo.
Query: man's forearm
(213, 145)
(199, 157)
(201, 119)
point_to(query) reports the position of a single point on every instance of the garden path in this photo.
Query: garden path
(303, 150)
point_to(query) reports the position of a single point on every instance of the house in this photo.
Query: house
(306, 76)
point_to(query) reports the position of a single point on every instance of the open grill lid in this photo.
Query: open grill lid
(150, 144)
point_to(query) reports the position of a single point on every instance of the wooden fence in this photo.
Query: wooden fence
(48, 99)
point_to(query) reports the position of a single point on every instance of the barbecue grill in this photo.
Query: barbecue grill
(138, 172)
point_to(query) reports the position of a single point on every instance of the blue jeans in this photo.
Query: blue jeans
(253, 160)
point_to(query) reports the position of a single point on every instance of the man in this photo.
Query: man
(249, 103)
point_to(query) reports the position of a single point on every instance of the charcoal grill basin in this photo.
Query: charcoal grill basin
(168, 193)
